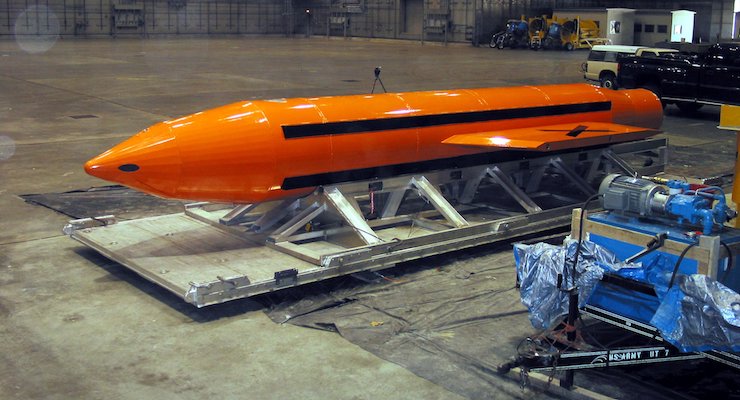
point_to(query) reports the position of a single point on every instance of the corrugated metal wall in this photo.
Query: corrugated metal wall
(432, 20)
(143, 17)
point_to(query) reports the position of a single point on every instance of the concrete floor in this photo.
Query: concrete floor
(75, 325)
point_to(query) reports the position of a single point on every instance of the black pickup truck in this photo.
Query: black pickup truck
(689, 81)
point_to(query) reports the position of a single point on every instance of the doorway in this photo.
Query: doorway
(413, 11)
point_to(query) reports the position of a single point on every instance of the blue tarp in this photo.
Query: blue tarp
(696, 314)
(699, 314)
(538, 267)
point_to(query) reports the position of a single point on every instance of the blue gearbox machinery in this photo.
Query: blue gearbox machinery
(640, 266)
(676, 200)
(651, 224)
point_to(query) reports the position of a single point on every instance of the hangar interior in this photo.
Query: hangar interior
(431, 20)
(77, 77)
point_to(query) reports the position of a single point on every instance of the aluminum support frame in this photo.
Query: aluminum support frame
(334, 213)
(225, 252)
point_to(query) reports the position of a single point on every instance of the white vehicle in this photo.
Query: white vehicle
(602, 62)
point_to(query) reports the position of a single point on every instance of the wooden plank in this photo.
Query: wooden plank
(698, 253)
(575, 222)
(298, 251)
(545, 383)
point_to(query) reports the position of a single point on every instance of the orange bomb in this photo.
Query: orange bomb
(261, 150)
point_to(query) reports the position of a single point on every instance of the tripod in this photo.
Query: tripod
(377, 79)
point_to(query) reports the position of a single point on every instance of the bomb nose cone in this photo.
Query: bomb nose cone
(149, 161)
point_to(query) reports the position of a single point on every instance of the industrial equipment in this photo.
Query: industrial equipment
(588, 34)
(677, 201)
(515, 35)
(561, 34)
(658, 263)
(548, 33)
(570, 34)
(537, 31)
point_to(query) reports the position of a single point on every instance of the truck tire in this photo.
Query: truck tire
(609, 81)
(688, 108)
(492, 43)
(547, 43)
(569, 46)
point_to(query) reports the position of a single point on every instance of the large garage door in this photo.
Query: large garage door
(413, 11)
